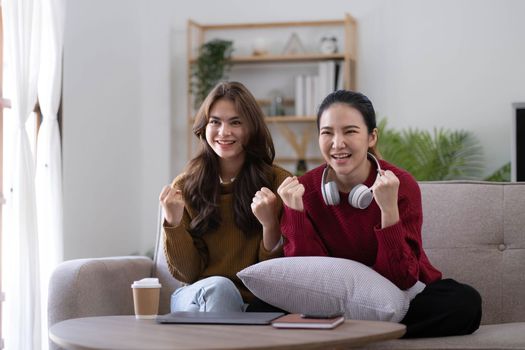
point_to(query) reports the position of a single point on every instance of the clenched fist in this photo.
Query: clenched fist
(264, 207)
(173, 205)
(291, 192)
(385, 191)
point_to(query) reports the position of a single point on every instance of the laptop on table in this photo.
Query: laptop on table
(241, 318)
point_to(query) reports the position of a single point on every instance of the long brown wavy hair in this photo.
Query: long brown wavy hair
(202, 186)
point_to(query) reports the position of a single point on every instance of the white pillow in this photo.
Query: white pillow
(325, 285)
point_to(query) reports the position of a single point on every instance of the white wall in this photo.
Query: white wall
(102, 140)
(451, 64)
(447, 63)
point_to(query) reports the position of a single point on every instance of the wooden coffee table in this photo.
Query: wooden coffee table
(125, 332)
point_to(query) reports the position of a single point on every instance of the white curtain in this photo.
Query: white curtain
(23, 291)
(49, 163)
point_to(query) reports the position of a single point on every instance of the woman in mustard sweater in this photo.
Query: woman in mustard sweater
(222, 214)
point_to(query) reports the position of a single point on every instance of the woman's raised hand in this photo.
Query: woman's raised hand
(385, 191)
(264, 207)
(173, 205)
(291, 192)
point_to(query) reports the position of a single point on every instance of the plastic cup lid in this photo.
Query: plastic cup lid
(146, 283)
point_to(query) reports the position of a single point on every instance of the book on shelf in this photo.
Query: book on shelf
(314, 97)
(326, 74)
(309, 95)
(310, 90)
(339, 83)
(298, 321)
(299, 95)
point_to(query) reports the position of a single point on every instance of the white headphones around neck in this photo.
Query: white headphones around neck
(359, 197)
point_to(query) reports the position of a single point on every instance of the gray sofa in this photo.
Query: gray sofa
(472, 231)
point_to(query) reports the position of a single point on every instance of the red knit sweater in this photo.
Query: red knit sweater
(342, 231)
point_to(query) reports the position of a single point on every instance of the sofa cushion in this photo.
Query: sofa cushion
(496, 337)
(324, 285)
(474, 232)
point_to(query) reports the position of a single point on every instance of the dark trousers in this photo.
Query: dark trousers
(257, 305)
(443, 308)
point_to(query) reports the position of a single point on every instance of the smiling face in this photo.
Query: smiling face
(344, 141)
(225, 132)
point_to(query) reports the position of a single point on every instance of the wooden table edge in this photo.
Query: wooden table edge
(308, 345)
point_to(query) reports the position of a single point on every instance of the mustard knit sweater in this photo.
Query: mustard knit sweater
(221, 252)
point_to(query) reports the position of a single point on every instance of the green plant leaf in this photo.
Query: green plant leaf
(500, 175)
(212, 66)
(440, 155)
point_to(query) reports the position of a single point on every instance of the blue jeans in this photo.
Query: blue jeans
(214, 293)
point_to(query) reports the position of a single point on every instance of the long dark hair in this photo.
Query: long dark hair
(202, 186)
(356, 100)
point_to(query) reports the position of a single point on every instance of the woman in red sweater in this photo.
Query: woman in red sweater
(359, 207)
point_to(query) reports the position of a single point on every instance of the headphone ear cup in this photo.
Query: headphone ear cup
(360, 197)
(332, 194)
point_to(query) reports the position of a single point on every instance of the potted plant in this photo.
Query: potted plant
(441, 155)
(500, 175)
(211, 66)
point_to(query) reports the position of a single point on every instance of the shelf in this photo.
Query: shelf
(280, 119)
(290, 118)
(320, 23)
(286, 102)
(294, 159)
(313, 57)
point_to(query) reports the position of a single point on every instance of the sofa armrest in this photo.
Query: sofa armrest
(95, 287)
